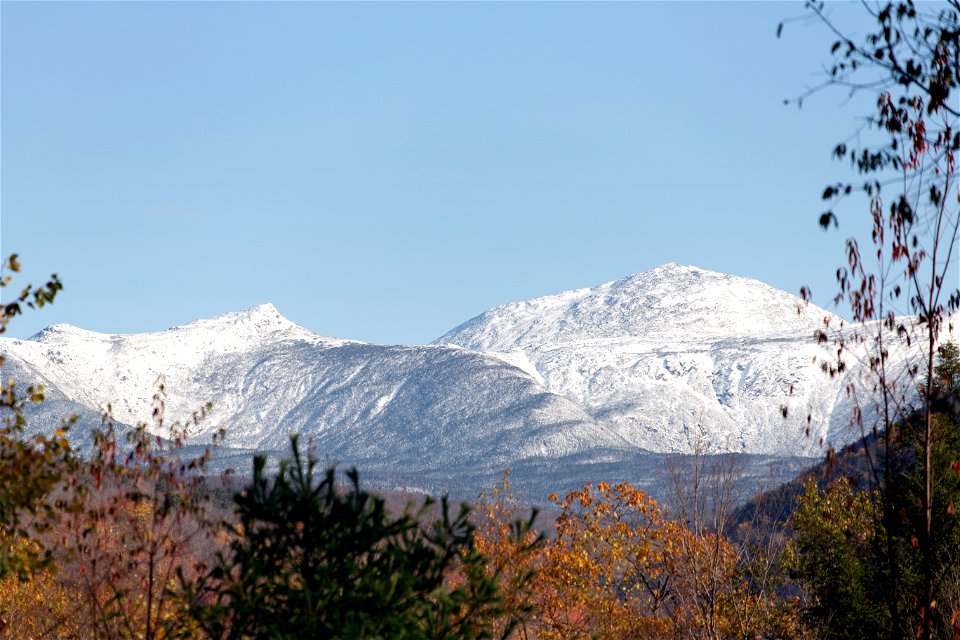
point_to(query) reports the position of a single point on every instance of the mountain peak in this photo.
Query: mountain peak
(265, 312)
(259, 320)
(53, 331)
(671, 300)
(260, 324)
(675, 266)
(266, 308)
(667, 274)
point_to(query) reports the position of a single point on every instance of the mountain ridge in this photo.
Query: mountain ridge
(624, 369)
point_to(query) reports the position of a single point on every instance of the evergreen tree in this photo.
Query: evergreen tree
(313, 560)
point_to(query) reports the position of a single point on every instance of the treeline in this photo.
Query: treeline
(133, 542)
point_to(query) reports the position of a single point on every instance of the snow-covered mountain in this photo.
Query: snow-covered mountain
(678, 357)
(267, 377)
(565, 387)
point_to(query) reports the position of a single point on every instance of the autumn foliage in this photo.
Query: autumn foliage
(121, 528)
(616, 565)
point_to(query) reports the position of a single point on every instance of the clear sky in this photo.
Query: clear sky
(385, 172)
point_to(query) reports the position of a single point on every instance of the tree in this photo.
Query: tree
(906, 159)
(30, 468)
(310, 559)
(508, 539)
(946, 381)
(139, 527)
(835, 557)
(619, 566)
(848, 554)
(40, 606)
(606, 571)
(727, 573)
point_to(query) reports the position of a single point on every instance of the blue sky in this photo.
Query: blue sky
(386, 171)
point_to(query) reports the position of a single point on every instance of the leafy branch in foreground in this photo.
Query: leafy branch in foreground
(30, 467)
(901, 287)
